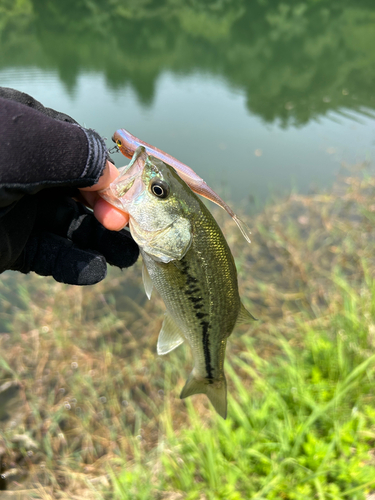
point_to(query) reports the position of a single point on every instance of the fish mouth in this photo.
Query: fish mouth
(123, 191)
(128, 185)
(124, 186)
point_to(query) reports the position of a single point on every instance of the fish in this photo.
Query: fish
(186, 258)
(127, 143)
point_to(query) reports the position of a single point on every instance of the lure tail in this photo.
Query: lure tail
(215, 390)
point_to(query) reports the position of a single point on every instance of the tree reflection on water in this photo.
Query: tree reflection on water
(294, 61)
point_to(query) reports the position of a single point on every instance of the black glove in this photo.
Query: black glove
(64, 240)
(42, 228)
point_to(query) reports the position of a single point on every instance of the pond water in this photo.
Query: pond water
(273, 97)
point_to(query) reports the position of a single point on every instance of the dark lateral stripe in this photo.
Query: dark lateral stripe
(190, 279)
(195, 300)
(191, 289)
(206, 348)
(200, 315)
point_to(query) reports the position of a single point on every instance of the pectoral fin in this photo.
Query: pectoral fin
(244, 316)
(147, 283)
(170, 336)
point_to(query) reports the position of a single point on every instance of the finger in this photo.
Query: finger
(88, 198)
(110, 173)
(109, 216)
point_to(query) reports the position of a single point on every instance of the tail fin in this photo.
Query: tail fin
(215, 390)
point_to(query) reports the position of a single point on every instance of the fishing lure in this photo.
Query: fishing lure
(127, 143)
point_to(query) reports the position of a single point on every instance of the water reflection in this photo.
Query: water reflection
(251, 95)
(294, 61)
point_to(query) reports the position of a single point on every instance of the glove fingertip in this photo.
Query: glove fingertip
(83, 272)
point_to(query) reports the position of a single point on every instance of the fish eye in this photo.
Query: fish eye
(159, 188)
(118, 142)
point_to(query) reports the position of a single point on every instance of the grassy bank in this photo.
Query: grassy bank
(90, 410)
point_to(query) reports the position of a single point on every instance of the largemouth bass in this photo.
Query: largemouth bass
(187, 259)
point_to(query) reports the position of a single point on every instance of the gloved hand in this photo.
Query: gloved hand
(66, 240)
(42, 228)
